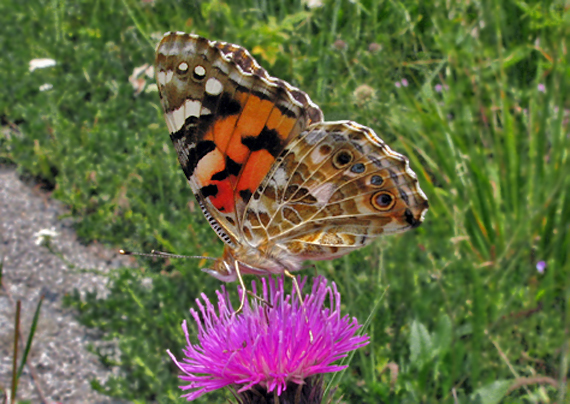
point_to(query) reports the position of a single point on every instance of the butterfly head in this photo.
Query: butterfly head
(224, 267)
(249, 261)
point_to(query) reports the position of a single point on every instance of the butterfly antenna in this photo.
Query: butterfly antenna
(162, 254)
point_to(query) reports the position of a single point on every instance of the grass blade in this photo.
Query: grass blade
(30, 337)
(15, 360)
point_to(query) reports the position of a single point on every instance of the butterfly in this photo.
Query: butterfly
(277, 183)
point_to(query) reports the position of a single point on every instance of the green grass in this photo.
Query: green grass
(465, 314)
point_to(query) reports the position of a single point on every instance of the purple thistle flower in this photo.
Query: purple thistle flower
(271, 345)
(541, 87)
(340, 45)
(374, 47)
(540, 266)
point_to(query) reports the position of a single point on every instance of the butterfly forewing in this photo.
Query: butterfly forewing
(228, 120)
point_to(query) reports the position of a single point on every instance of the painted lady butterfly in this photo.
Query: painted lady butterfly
(277, 184)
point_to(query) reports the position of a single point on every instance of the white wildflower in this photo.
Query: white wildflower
(313, 3)
(41, 64)
(46, 87)
(137, 79)
(44, 236)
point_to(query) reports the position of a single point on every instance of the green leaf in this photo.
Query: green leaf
(421, 344)
(442, 337)
(491, 393)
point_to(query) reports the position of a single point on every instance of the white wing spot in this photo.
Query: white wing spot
(168, 50)
(214, 86)
(183, 66)
(199, 71)
(161, 78)
(192, 108)
(169, 123)
(178, 116)
(317, 157)
(169, 75)
(280, 177)
(205, 111)
(222, 65)
(177, 119)
(314, 136)
(323, 192)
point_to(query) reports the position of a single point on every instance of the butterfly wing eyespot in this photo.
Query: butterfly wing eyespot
(342, 158)
(376, 180)
(383, 201)
(358, 168)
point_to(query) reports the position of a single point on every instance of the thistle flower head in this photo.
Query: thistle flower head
(274, 343)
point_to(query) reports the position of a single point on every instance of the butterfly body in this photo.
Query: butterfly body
(277, 183)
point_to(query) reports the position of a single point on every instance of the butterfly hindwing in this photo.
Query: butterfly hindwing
(335, 188)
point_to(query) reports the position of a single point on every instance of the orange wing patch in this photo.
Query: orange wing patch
(255, 170)
(254, 115)
(255, 158)
(224, 198)
(251, 121)
(268, 122)
(220, 192)
(281, 123)
(221, 132)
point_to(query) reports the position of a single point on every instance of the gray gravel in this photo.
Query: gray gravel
(59, 356)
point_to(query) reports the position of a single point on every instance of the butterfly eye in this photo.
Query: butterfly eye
(358, 168)
(342, 158)
(383, 200)
(199, 73)
(376, 180)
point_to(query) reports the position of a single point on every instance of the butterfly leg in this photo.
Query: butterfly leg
(243, 289)
(296, 285)
(262, 300)
(313, 267)
(298, 290)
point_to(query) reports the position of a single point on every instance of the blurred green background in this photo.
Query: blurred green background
(474, 304)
